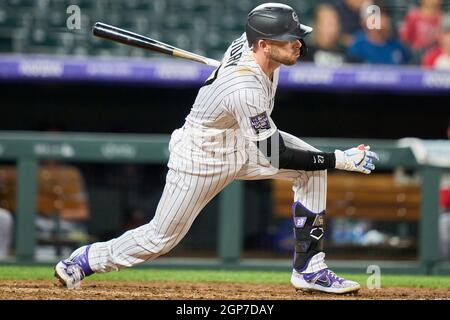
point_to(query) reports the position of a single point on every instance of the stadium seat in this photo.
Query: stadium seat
(189, 18)
(61, 197)
(377, 197)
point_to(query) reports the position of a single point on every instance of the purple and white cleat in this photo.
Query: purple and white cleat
(324, 280)
(71, 271)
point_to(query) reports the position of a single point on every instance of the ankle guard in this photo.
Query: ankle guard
(308, 231)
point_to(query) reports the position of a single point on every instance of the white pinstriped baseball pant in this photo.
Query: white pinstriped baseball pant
(189, 187)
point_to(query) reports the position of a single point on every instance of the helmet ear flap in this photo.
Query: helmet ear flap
(303, 49)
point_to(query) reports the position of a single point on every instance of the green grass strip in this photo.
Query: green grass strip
(150, 274)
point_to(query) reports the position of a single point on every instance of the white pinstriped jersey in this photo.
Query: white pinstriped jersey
(236, 102)
(237, 96)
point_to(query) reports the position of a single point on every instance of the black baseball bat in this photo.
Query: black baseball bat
(123, 36)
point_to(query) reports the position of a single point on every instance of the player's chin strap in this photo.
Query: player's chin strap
(303, 49)
(308, 230)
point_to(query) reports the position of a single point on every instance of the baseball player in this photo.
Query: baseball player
(228, 135)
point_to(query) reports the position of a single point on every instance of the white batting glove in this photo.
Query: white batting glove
(358, 159)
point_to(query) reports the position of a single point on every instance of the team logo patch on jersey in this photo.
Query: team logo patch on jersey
(260, 122)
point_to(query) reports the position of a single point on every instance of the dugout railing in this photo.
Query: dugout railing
(28, 148)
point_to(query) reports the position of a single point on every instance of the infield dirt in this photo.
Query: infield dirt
(162, 290)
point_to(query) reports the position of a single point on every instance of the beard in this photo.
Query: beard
(276, 55)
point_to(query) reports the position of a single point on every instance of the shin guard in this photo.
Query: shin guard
(308, 231)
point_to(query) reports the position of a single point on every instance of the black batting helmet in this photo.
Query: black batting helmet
(275, 21)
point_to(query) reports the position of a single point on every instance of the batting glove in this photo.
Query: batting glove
(358, 159)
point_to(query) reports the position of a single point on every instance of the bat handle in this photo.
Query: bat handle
(212, 62)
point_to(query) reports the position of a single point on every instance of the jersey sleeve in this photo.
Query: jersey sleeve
(251, 110)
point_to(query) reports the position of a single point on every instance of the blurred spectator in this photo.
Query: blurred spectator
(439, 57)
(62, 189)
(138, 197)
(378, 46)
(326, 49)
(62, 203)
(444, 221)
(420, 29)
(350, 15)
(133, 219)
(6, 232)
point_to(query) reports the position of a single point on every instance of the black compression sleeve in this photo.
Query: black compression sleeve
(295, 159)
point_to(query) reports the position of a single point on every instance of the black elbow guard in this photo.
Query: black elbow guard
(310, 160)
(283, 157)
